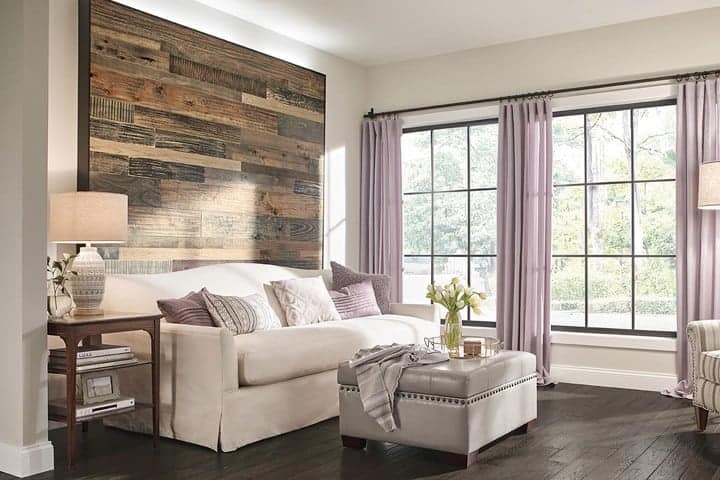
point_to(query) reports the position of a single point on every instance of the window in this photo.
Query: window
(614, 220)
(449, 210)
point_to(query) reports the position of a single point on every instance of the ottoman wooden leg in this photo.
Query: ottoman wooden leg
(353, 442)
(525, 428)
(460, 460)
(701, 418)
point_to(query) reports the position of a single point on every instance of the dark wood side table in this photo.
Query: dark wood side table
(89, 330)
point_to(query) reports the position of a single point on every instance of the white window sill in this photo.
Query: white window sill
(601, 340)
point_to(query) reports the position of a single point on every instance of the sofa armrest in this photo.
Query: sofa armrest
(197, 366)
(429, 312)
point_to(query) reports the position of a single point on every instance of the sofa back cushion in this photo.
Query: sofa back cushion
(139, 293)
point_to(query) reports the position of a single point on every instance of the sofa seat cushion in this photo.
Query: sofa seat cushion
(709, 367)
(458, 378)
(271, 356)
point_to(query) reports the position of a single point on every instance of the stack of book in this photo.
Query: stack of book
(94, 357)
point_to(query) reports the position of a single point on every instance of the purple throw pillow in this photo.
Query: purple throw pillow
(343, 277)
(356, 300)
(188, 310)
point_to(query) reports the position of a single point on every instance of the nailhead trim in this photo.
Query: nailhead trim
(453, 400)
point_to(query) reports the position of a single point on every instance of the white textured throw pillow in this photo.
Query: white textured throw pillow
(305, 300)
(241, 315)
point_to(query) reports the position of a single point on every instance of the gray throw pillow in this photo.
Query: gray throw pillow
(241, 315)
(188, 310)
(344, 276)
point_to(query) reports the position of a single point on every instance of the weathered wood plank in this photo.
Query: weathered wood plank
(304, 187)
(189, 143)
(250, 252)
(103, 42)
(141, 240)
(179, 265)
(111, 109)
(274, 105)
(163, 154)
(163, 222)
(144, 192)
(272, 158)
(239, 200)
(151, 168)
(295, 127)
(180, 99)
(217, 76)
(106, 163)
(121, 132)
(251, 167)
(112, 32)
(290, 98)
(260, 227)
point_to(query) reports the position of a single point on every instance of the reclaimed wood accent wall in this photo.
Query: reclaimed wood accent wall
(218, 147)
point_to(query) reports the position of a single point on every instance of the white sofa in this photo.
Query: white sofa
(222, 391)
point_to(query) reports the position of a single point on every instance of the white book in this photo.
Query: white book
(96, 366)
(92, 351)
(61, 361)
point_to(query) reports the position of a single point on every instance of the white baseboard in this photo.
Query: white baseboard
(26, 461)
(605, 377)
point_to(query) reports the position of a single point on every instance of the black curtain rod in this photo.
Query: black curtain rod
(677, 77)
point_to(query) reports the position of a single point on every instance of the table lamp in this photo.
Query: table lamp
(89, 218)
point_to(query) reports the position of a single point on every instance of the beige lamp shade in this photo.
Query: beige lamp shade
(88, 217)
(709, 187)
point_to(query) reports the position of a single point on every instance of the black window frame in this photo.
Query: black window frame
(467, 125)
(632, 255)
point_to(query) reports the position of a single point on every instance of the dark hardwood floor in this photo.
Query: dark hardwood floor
(583, 433)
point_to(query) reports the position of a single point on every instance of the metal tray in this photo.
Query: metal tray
(471, 346)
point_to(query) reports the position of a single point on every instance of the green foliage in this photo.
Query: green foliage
(59, 272)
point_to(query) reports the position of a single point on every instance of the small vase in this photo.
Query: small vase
(453, 333)
(59, 305)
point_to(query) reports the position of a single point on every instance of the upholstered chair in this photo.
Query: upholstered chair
(704, 339)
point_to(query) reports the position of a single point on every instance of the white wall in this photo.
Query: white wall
(24, 448)
(62, 103)
(678, 43)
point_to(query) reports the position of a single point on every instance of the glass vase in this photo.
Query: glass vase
(453, 333)
(59, 305)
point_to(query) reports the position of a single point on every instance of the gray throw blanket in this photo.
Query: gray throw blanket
(378, 371)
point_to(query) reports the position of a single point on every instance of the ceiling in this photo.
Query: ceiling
(371, 32)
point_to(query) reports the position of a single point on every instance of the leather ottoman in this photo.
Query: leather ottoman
(456, 407)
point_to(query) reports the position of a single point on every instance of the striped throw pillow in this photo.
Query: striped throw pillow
(356, 300)
(188, 310)
(241, 315)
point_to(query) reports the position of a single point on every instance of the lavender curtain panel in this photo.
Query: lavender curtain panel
(524, 239)
(381, 201)
(698, 231)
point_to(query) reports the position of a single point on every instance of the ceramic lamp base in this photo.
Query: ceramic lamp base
(88, 286)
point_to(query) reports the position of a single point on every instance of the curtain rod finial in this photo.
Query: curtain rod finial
(371, 113)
